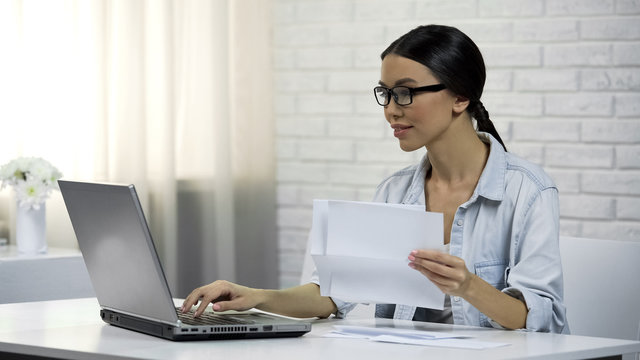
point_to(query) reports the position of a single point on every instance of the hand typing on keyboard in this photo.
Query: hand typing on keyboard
(302, 301)
(224, 295)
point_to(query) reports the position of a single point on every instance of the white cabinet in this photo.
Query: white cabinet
(59, 274)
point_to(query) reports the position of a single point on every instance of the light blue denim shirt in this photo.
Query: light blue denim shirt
(507, 234)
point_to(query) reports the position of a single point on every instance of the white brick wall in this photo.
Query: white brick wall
(563, 87)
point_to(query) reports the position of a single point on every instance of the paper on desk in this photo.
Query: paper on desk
(411, 337)
(370, 332)
(360, 250)
(454, 343)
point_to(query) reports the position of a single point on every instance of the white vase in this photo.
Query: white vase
(31, 230)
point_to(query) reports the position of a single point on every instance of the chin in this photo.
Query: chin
(409, 147)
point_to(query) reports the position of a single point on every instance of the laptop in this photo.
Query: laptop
(128, 279)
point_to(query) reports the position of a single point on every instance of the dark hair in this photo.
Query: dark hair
(455, 60)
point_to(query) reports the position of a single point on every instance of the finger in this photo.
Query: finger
(212, 295)
(444, 284)
(236, 304)
(201, 308)
(206, 300)
(439, 280)
(435, 267)
(190, 300)
(447, 261)
(433, 255)
(434, 277)
(221, 306)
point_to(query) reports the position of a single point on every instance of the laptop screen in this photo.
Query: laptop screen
(118, 250)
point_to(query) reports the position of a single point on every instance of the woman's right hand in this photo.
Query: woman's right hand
(224, 295)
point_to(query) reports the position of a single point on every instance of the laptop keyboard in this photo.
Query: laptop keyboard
(210, 319)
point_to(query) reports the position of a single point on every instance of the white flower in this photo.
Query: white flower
(33, 179)
(32, 193)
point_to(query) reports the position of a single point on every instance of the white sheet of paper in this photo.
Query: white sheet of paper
(369, 332)
(452, 343)
(366, 280)
(411, 337)
(373, 230)
(319, 227)
(360, 250)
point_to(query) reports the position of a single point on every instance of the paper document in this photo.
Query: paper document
(360, 251)
(369, 332)
(411, 337)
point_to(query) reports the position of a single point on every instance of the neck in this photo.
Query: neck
(458, 155)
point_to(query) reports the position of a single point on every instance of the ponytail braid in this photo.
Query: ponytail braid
(484, 123)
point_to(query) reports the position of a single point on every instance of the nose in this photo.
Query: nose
(392, 111)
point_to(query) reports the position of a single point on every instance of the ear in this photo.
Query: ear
(461, 104)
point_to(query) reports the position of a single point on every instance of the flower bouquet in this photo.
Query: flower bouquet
(33, 180)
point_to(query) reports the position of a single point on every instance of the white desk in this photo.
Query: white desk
(59, 274)
(72, 329)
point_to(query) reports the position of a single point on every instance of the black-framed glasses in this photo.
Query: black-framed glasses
(402, 95)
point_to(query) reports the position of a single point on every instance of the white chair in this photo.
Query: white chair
(602, 287)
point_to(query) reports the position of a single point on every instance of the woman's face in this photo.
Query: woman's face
(429, 115)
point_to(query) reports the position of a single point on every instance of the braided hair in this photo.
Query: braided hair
(455, 60)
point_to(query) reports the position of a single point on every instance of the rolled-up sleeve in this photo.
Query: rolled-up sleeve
(535, 273)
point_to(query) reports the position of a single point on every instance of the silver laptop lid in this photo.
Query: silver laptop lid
(118, 250)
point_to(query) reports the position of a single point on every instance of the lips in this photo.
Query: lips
(400, 130)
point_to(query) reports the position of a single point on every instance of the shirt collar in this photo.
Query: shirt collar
(491, 182)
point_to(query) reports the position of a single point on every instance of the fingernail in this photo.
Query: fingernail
(412, 258)
(413, 252)
(412, 265)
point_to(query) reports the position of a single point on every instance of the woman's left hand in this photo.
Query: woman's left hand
(447, 272)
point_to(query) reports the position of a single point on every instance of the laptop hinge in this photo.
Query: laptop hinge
(177, 323)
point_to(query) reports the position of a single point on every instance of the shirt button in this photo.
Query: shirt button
(456, 298)
(460, 222)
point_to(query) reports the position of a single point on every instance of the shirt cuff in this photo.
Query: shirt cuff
(539, 309)
(342, 306)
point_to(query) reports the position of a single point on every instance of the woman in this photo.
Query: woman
(500, 212)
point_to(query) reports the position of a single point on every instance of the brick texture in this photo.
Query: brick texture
(563, 88)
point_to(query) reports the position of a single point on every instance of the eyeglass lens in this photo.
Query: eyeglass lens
(401, 94)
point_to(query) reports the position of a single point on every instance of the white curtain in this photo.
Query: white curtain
(170, 95)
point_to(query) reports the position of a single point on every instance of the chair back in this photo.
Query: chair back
(602, 287)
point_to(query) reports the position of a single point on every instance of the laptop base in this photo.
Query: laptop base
(191, 333)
